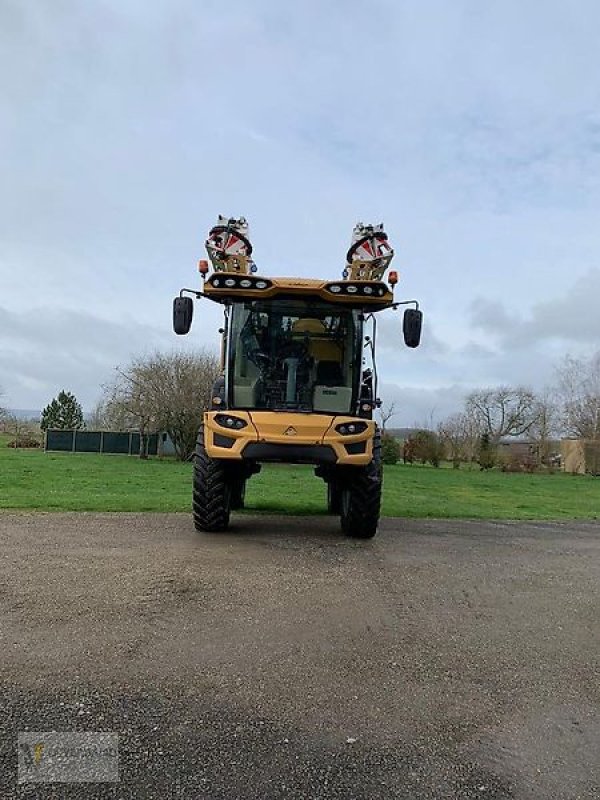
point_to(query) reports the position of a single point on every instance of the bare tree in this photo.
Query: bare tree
(387, 412)
(546, 424)
(579, 392)
(164, 391)
(459, 435)
(97, 419)
(129, 404)
(502, 411)
(24, 430)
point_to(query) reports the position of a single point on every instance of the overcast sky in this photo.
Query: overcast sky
(471, 129)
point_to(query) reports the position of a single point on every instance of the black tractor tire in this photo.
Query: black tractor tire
(238, 493)
(212, 491)
(334, 497)
(361, 497)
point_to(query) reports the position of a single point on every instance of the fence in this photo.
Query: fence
(102, 442)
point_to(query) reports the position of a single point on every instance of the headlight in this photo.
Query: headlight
(351, 428)
(227, 421)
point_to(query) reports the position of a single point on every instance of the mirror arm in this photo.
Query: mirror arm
(193, 292)
(414, 303)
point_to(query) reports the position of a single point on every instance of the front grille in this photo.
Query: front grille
(291, 453)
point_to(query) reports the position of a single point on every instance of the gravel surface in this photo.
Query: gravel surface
(443, 659)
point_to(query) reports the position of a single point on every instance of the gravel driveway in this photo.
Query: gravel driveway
(439, 660)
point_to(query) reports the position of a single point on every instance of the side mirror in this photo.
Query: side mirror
(183, 311)
(411, 327)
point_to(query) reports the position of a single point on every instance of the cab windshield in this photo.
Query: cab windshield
(294, 354)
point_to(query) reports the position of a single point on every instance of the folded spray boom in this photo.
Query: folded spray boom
(230, 250)
(229, 247)
(369, 255)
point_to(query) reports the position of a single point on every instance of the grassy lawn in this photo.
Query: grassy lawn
(30, 479)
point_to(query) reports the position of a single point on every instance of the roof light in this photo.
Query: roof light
(246, 283)
(351, 289)
(335, 288)
(230, 282)
(367, 290)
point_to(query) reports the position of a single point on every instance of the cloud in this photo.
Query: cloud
(421, 407)
(572, 317)
(471, 129)
(49, 350)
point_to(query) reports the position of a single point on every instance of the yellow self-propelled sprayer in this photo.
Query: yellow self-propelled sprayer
(299, 380)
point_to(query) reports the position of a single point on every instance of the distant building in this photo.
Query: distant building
(581, 456)
(527, 454)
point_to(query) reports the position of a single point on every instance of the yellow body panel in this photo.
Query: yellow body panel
(242, 437)
(337, 441)
(287, 428)
(284, 427)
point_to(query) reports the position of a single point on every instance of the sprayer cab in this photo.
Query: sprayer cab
(299, 382)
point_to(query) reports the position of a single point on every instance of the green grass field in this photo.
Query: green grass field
(30, 479)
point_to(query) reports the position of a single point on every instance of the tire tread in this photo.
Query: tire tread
(211, 493)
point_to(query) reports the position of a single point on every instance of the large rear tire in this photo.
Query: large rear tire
(361, 497)
(212, 493)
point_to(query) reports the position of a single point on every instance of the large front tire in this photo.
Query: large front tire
(212, 493)
(361, 497)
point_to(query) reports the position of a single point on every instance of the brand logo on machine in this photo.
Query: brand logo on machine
(291, 431)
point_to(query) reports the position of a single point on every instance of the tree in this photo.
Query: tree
(487, 451)
(64, 413)
(458, 435)
(546, 425)
(579, 396)
(387, 412)
(97, 419)
(423, 446)
(129, 406)
(163, 392)
(390, 449)
(25, 431)
(502, 411)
